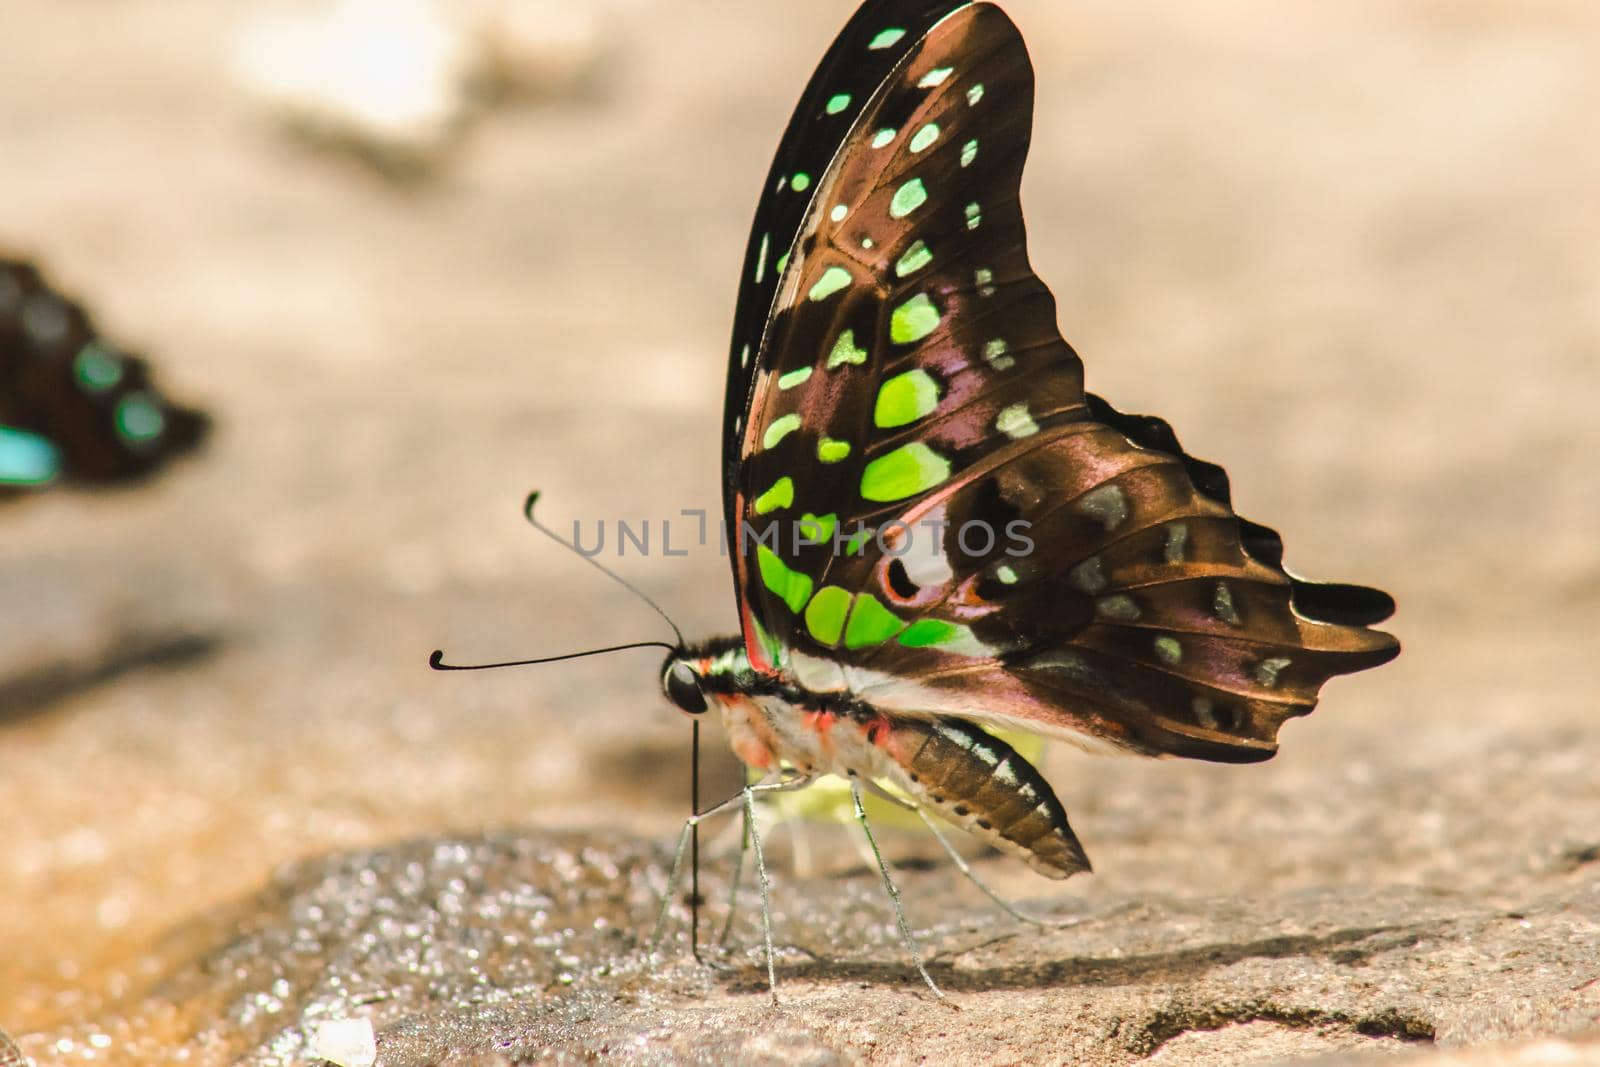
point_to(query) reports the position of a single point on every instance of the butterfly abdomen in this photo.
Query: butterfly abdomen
(986, 787)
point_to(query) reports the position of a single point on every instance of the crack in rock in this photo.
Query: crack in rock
(1170, 1023)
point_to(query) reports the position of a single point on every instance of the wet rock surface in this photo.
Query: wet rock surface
(1351, 251)
(528, 948)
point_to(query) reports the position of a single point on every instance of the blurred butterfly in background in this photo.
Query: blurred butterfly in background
(74, 408)
(939, 535)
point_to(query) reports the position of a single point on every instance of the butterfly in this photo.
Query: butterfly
(939, 538)
(74, 406)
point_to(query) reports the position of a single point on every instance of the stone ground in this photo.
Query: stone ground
(1351, 250)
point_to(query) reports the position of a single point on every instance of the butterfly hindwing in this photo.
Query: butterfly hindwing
(1032, 558)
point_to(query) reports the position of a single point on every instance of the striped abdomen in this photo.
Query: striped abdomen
(983, 785)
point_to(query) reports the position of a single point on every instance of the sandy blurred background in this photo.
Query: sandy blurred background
(1350, 250)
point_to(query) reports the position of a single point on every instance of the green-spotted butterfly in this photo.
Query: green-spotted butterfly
(897, 374)
(73, 406)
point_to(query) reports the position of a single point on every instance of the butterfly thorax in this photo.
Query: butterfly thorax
(954, 768)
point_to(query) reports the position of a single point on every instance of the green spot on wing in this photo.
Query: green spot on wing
(781, 495)
(780, 429)
(858, 541)
(975, 94)
(997, 352)
(887, 38)
(926, 632)
(935, 78)
(884, 137)
(969, 152)
(925, 137)
(871, 623)
(800, 182)
(839, 212)
(905, 398)
(783, 581)
(138, 420)
(826, 613)
(817, 529)
(913, 320)
(916, 257)
(905, 472)
(97, 368)
(845, 351)
(831, 451)
(838, 103)
(795, 378)
(1016, 423)
(833, 280)
(910, 196)
(26, 459)
(783, 263)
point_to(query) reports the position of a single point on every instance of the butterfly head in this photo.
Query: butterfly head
(695, 677)
(682, 680)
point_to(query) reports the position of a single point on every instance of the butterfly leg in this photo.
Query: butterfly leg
(733, 888)
(766, 888)
(745, 798)
(894, 892)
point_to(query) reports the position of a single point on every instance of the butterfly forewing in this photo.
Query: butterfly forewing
(877, 38)
(911, 382)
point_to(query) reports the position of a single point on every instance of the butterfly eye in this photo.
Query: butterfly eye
(682, 686)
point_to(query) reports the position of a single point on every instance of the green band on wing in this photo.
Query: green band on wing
(905, 472)
(948, 637)
(871, 623)
(926, 632)
(783, 581)
(825, 614)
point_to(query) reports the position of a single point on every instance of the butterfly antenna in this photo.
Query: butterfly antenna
(436, 661)
(527, 509)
